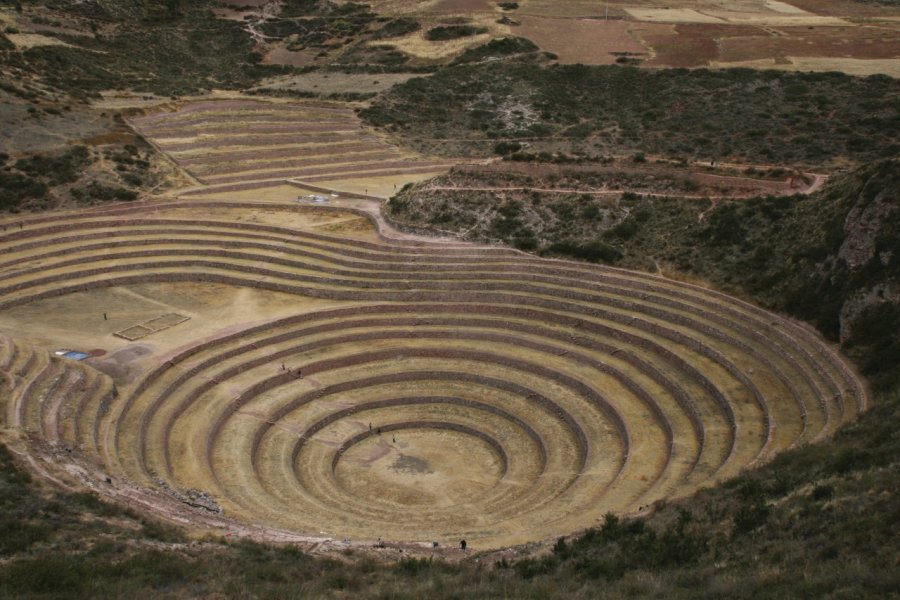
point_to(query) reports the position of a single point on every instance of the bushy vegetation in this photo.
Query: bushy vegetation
(27, 182)
(81, 174)
(396, 28)
(792, 254)
(742, 114)
(368, 57)
(56, 169)
(321, 25)
(452, 32)
(508, 46)
(179, 55)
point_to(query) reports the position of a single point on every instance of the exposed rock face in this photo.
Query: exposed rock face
(868, 250)
(862, 226)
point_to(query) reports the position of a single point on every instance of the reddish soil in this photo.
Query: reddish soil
(282, 56)
(585, 41)
(843, 42)
(842, 8)
(463, 6)
(691, 44)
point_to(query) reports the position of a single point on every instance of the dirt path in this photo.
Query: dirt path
(818, 180)
(372, 208)
(615, 192)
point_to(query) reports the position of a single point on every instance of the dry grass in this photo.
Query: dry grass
(416, 45)
(24, 41)
(851, 66)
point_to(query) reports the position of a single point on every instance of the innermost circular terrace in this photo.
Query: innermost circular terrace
(428, 467)
(285, 370)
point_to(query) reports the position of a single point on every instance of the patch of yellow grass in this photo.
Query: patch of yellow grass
(382, 187)
(851, 66)
(416, 45)
(778, 16)
(676, 15)
(266, 194)
(23, 41)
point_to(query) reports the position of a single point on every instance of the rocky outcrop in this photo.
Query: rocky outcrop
(868, 248)
(863, 225)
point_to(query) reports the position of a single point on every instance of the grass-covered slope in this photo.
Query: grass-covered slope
(139, 45)
(741, 114)
(78, 175)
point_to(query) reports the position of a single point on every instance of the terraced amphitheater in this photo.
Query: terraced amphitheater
(246, 144)
(321, 380)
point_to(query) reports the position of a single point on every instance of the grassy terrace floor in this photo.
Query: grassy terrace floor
(329, 381)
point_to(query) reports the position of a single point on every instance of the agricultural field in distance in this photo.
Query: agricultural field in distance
(854, 37)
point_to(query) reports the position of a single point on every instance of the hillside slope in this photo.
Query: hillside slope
(733, 114)
(830, 258)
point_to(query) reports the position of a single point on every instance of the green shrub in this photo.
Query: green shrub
(592, 251)
(751, 515)
(507, 46)
(504, 148)
(61, 574)
(396, 28)
(412, 567)
(452, 32)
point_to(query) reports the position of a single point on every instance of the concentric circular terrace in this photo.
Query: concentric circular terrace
(414, 391)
